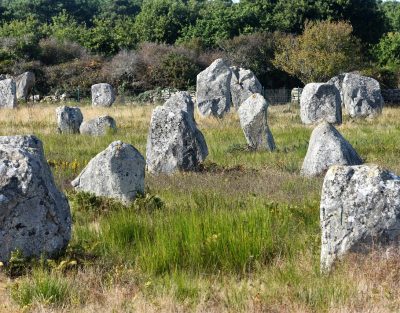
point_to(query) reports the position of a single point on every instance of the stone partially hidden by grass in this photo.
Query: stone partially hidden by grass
(240, 235)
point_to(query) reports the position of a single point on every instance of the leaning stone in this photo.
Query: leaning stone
(25, 82)
(362, 96)
(98, 126)
(117, 172)
(253, 119)
(213, 89)
(103, 95)
(327, 147)
(174, 143)
(69, 119)
(8, 95)
(34, 216)
(243, 84)
(320, 102)
(360, 210)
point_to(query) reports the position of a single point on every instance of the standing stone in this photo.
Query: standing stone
(253, 119)
(360, 209)
(320, 102)
(181, 100)
(327, 147)
(213, 89)
(103, 95)
(362, 96)
(337, 81)
(174, 143)
(243, 84)
(8, 92)
(34, 216)
(69, 119)
(117, 172)
(98, 126)
(25, 82)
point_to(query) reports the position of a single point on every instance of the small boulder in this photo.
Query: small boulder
(25, 82)
(98, 126)
(69, 119)
(327, 147)
(174, 143)
(117, 172)
(213, 89)
(35, 217)
(8, 94)
(320, 102)
(243, 84)
(360, 209)
(103, 95)
(362, 96)
(253, 119)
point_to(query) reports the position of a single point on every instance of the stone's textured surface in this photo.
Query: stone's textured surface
(320, 102)
(8, 92)
(98, 126)
(327, 147)
(360, 208)
(69, 119)
(34, 216)
(181, 100)
(117, 172)
(243, 84)
(253, 119)
(25, 82)
(361, 96)
(213, 89)
(174, 143)
(337, 81)
(103, 95)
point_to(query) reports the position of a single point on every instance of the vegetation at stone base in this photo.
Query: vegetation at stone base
(242, 234)
(91, 37)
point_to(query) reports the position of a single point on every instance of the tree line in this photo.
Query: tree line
(140, 44)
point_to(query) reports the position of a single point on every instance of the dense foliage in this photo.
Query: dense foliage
(38, 33)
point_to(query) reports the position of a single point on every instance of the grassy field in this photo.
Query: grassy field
(242, 235)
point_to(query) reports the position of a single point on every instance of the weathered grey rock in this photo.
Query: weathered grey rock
(8, 94)
(320, 102)
(5, 76)
(117, 172)
(103, 95)
(34, 216)
(243, 84)
(69, 119)
(253, 119)
(174, 143)
(213, 89)
(327, 147)
(362, 96)
(360, 209)
(25, 82)
(181, 100)
(337, 81)
(98, 126)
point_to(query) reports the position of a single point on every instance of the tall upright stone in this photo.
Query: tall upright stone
(327, 147)
(243, 84)
(320, 102)
(174, 142)
(69, 119)
(35, 217)
(213, 89)
(360, 210)
(362, 96)
(117, 172)
(253, 120)
(24, 82)
(8, 94)
(103, 95)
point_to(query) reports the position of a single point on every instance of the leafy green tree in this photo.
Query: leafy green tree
(64, 27)
(325, 49)
(392, 13)
(387, 51)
